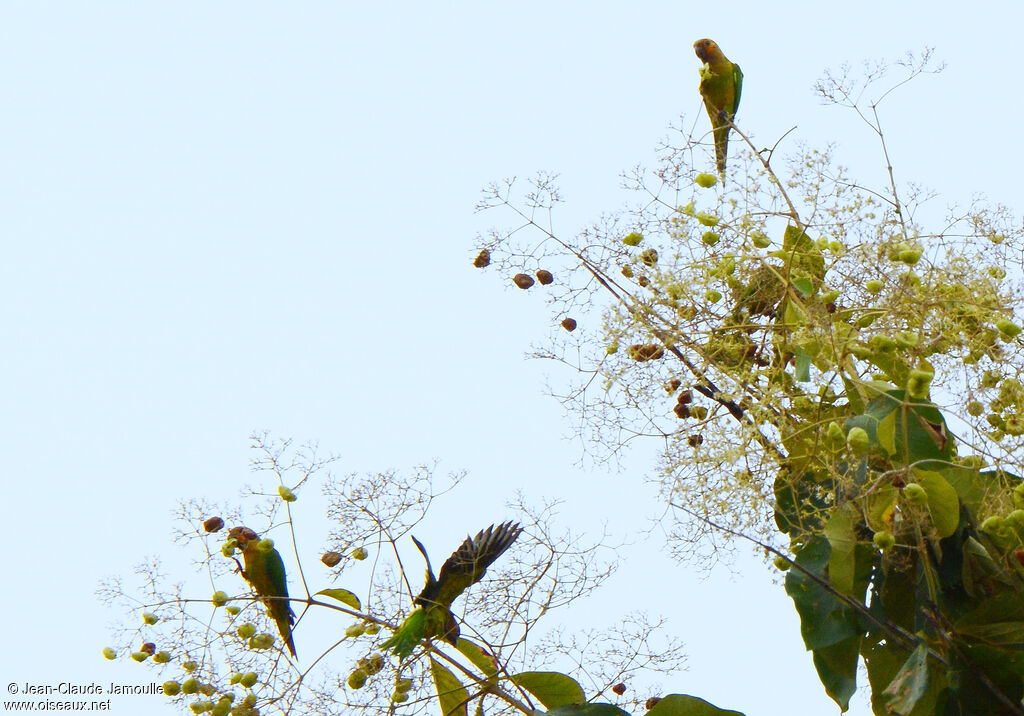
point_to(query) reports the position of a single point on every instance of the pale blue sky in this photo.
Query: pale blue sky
(224, 217)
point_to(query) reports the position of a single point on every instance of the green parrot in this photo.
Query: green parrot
(720, 85)
(264, 570)
(433, 616)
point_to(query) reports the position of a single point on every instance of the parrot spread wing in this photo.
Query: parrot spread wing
(468, 563)
(433, 616)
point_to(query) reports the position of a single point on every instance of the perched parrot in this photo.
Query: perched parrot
(433, 616)
(720, 85)
(264, 570)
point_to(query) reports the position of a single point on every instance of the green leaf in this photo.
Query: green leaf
(586, 710)
(943, 503)
(999, 634)
(886, 432)
(1008, 606)
(342, 595)
(451, 694)
(972, 485)
(793, 314)
(843, 540)
(480, 658)
(553, 689)
(910, 684)
(918, 429)
(804, 286)
(879, 507)
(837, 669)
(980, 573)
(1004, 669)
(853, 394)
(800, 503)
(884, 661)
(802, 374)
(824, 620)
(683, 705)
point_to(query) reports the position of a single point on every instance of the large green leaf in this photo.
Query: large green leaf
(972, 485)
(910, 684)
(886, 431)
(830, 629)
(476, 654)
(802, 366)
(801, 503)
(1004, 674)
(1005, 607)
(879, 507)
(824, 620)
(908, 430)
(884, 662)
(981, 572)
(943, 502)
(853, 393)
(683, 705)
(841, 534)
(553, 689)
(586, 710)
(999, 634)
(837, 668)
(342, 595)
(451, 694)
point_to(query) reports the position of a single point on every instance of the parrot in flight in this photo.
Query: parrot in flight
(433, 616)
(264, 570)
(720, 85)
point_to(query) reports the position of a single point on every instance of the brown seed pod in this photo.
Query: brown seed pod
(569, 324)
(522, 281)
(643, 281)
(685, 397)
(619, 689)
(545, 277)
(682, 411)
(646, 351)
(627, 271)
(652, 702)
(694, 440)
(331, 559)
(213, 524)
(482, 259)
(649, 257)
(673, 385)
(149, 647)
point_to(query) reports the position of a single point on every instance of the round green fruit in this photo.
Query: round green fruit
(884, 541)
(915, 494)
(705, 180)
